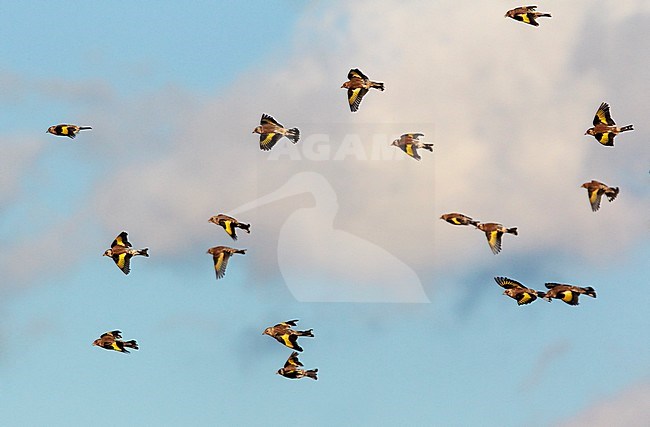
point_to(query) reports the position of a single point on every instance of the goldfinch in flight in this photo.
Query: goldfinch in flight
(605, 128)
(409, 143)
(271, 131)
(229, 224)
(122, 253)
(291, 369)
(517, 291)
(220, 257)
(283, 333)
(458, 219)
(526, 14)
(493, 232)
(112, 341)
(358, 85)
(66, 130)
(596, 189)
(567, 293)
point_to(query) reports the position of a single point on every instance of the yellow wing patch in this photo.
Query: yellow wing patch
(604, 139)
(567, 296)
(121, 260)
(524, 17)
(354, 93)
(593, 196)
(455, 221)
(219, 263)
(525, 299)
(493, 238)
(228, 227)
(285, 339)
(409, 150)
(268, 139)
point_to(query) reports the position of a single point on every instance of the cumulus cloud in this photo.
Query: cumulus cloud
(504, 103)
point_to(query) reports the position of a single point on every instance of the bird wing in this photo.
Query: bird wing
(288, 323)
(290, 340)
(603, 115)
(220, 263)
(112, 334)
(355, 72)
(293, 360)
(355, 96)
(528, 18)
(412, 135)
(507, 283)
(121, 240)
(494, 240)
(552, 285)
(411, 150)
(268, 140)
(605, 138)
(594, 198)
(525, 298)
(123, 262)
(569, 297)
(119, 346)
(227, 226)
(268, 120)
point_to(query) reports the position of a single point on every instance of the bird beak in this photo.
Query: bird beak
(587, 133)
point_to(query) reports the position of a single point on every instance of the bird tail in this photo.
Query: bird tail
(544, 15)
(590, 291)
(611, 195)
(293, 134)
(84, 127)
(312, 373)
(241, 251)
(428, 147)
(131, 344)
(245, 227)
(377, 85)
(307, 333)
(144, 252)
(512, 230)
(626, 128)
(541, 294)
(474, 223)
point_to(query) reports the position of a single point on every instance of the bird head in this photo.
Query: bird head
(280, 371)
(585, 185)
(213, 219)
(345, 85)
(109, 252)
(590, 131)
(267, 331)
(96, 342)
(50, 129)
(257, 130)
(395, 143)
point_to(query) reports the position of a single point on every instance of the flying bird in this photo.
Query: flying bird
(493, 232)
(567, 293)
(409, 143)
(605, 128)
(291, 369)
(517, 291)
(70, 131)
(122, 253)
(596, 189)
(220, 256)
(358, 85)
(526, 14)
(113, 341)
(459, 219)
(271, 131)
(283, 333)
(229, 224)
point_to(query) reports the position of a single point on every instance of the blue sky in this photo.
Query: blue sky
(172, 93)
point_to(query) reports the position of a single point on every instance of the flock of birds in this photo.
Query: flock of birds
(604, 130)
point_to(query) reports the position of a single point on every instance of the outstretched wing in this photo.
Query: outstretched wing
(355, 96)
(355, 72)
(123, 262)
(293, 360)
(594, 199)
(507, 283)
(411, 150)
(605, 138)
(268, 140)
(121, 240)
(603, 115)
(228, 227)
(268, 120)
(494, 240)
(290, 340)
(220, 263)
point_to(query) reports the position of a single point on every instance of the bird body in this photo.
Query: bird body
(526, 14)
(605, 129)
(229, 224)
(596, 189)
(358, 85)
(291, 369)
(409, 143)
(271, 131)
(283, 334)
(220, 256)
(122, 252)
(517, 291)
(455, 218)
(70, 131)
(567, 293)
(113, 341)
(493, 231)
